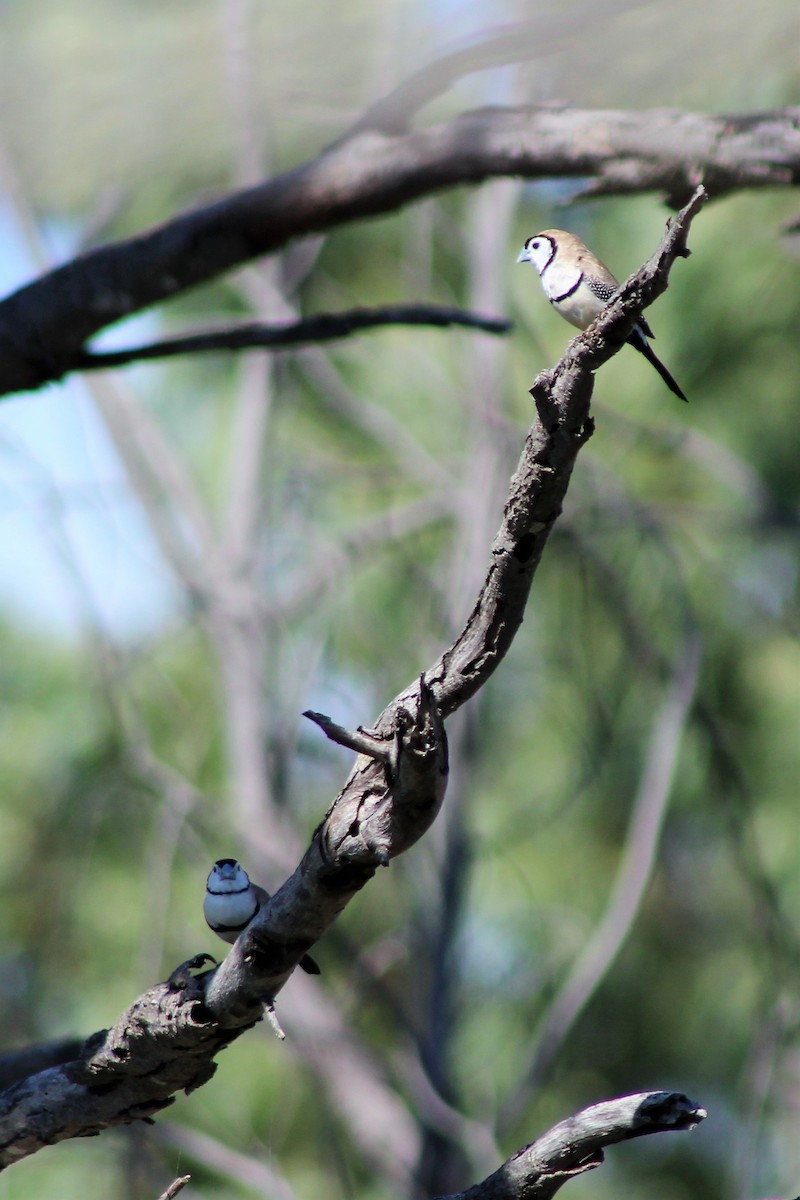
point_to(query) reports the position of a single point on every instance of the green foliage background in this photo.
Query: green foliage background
(678, 517)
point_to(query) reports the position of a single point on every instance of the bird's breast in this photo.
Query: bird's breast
(234, 909)
(559, 279)
(577, 304)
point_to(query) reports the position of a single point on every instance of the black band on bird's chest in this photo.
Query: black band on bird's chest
(569, 292)
(230, 928)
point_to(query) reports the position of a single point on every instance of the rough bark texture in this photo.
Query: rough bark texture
(168, 1039)
(576, 1145)
(44, 326)
(19, 1064)
(164, 1043)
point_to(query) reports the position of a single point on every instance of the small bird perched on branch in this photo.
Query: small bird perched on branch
(232, 901)
(579, 287)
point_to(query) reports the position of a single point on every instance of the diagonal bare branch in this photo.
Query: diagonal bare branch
(372, 820)
(168, 1040)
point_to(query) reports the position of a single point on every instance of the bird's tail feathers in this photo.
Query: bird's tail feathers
(640, 343)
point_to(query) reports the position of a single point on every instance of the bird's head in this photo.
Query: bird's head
(539, 250)
(227, 876)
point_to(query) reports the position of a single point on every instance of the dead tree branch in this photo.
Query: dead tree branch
(163, 1043)
(577, 1144)
(19, 1064)
(45, 325)
(322, 327)
(176, 1186)
(167, 1040)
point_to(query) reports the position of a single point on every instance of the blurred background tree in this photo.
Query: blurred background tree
(194, 553)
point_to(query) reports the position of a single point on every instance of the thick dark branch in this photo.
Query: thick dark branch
(46, 324)
(577, 1144)
(18, 1064)
(168, 1040)
(324, 327)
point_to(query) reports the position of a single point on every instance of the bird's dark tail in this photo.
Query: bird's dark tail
(639, 341)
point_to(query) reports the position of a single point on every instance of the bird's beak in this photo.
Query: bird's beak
(523, 256)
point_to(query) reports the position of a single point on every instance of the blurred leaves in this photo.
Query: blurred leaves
(116, 778)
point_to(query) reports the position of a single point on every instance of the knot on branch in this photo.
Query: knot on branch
(161, 1032)
(396, 787)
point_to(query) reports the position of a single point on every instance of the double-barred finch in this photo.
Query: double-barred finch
(579, 287)
(232, 901)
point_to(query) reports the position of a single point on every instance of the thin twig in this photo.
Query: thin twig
(176, 1186)
(274, 1023)
(360, 741)
(324, 327)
